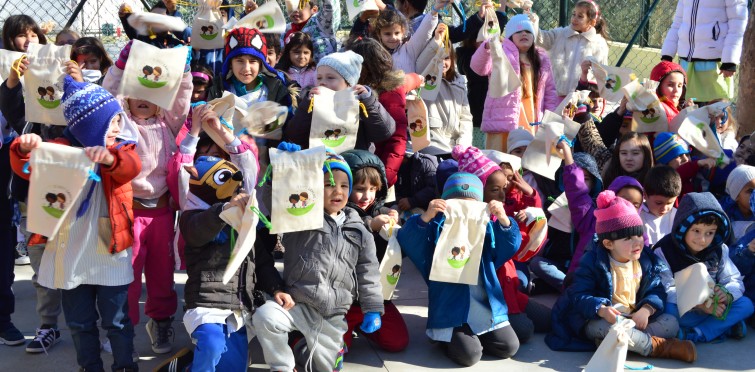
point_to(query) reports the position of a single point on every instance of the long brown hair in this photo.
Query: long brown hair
(534, 58)
(593, 12)
(614, 169)
(16, 25)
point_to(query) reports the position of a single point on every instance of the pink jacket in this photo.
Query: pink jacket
(306, 77)
(502, 114)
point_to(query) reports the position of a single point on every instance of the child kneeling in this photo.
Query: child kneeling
(618, 278)
(322, 269)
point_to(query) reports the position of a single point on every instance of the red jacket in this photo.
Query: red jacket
(116, 181)
(391, 151)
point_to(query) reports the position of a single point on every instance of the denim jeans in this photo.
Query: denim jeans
(709, 325)
(549, 271)
(82, 306)
(219, 351)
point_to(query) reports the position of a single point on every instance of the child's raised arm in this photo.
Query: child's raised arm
(327, 21)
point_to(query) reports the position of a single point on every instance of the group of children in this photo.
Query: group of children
(640, 207)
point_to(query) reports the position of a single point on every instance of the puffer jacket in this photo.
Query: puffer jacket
(207, 255)
(116, 181)
(581, 204)
(449, 117)
(306, 77)
(567, 49)
(707, 30)
(330, 268)
(417, 181)
(591, 288)
(502, 114)
(392, 95)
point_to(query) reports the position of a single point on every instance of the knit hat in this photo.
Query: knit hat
(667, 147)
(245, 41)
(625, 181)
(348, 64)
(517, 138)
(336, 162)
(738, 178)
(616, 218)
(519, 22)
(462, 185)
(445, 169)
(473, 161)
(88, 109)
(661, 70)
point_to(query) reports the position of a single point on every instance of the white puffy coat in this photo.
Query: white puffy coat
(707, 30)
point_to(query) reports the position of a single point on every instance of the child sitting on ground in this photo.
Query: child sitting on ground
(700, 232)
(662, 188)
(618, 278)
(738, 203)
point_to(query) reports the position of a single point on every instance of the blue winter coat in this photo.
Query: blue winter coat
(592, 287)
(449, 303)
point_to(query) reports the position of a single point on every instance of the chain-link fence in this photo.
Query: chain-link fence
(99, 18)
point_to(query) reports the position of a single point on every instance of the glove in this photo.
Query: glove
(371, 322)
(123, 57)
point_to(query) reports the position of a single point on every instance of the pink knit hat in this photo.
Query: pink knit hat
(471, 160)
(616, 218)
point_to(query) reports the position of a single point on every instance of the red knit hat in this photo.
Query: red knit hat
(661, 70)
(616, 218)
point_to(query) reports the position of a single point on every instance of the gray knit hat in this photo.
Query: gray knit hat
(348, 64)
(738, 178)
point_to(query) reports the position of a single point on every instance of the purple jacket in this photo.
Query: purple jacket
(581, 207)
(502, 114)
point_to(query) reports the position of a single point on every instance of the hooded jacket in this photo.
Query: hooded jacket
(581, 202)
(675, 256)
(591, 288)
(417, 180)
(744, 259)
(331, 267)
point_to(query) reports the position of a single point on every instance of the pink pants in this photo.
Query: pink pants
(153, 254)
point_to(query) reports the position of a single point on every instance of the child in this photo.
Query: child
(600, 140)
(297, 60)
(569, 46)
(737, 204)
(91, 54)
(321, 24)
(708, 39)
(339, 71)
(368, 199)
(66, 36)
(582, 183)
(672, 87)
(90, 260)
(726, 127)
(669, 149)
(632, 157)
(466, 319)
(700, 229)
(743, 255)
(524, 106)
(662, 188)
(154, 218)
(416, 185)
(448, 116)
(618, 278)
(391, 29)
(323, 269)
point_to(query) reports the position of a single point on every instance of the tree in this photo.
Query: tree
(745, 108)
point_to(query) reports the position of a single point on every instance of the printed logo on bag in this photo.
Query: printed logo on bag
(152, 76)
(417, 128)
(392, 278)
(55, 201)
(334, 137)
(358, 3)
(458, 257)
(431, 82)
(49, 95)
(208, 32)
(263, 22)
(652, 113)
(613, 82)
(493, 30)
(301, 203)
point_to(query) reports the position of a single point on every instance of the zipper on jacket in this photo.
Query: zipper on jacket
(716, 31)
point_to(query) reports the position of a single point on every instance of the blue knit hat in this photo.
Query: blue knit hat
(666, 147)
(348, 64)
(245, 41)
(337, 162)
(88, 109)
(463, 185)
(519, 22)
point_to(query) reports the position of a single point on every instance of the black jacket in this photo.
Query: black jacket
(416, 180)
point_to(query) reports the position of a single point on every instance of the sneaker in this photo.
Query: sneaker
(22, 260)
(178, 362)
(689, 334)
(105, 346)
(135, 356)
(22, 254)
(11, 336)
(738, 331)
(45, 339)
(160, 333)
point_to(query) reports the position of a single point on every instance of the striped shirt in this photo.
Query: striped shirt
(79, 254)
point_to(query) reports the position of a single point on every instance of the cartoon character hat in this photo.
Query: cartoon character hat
(473, 161)
(667, 147)
(616, 218)
(517, 138)
(214, 180)
(519, 22)
(348, 64)
(241, 41)
(738, 178)
(336, 162)
(88, 109)
(661, 70)
(463, 185)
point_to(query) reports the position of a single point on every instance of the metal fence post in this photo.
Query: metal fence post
(563, 13)
(637, 33)
(75, 14)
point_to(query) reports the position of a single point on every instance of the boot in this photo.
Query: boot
(671, 348)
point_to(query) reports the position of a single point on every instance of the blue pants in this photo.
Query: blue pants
(7, 242)
(549, 271)
(218, 350)
(709, 325)
(82, 306)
